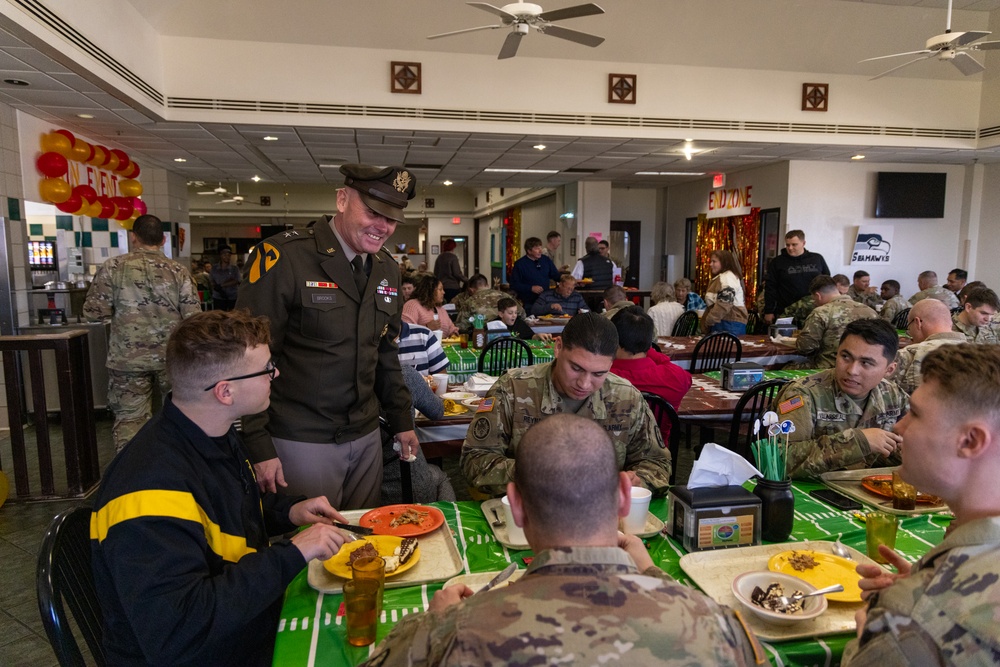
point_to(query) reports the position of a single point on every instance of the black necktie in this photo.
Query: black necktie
(360, 274)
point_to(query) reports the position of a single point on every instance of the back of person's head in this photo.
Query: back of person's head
(661, 292)
(505, 303)
(795, 233)
(566, 474)
(424, 289)
(936, 316)
(841, 280)
(531, 243)
(148, 229)
(635, 329)
(553, 235)
(861, 274)
(822, 285)
(963, 294)
(983, 296)
(614, 294)
(875, 331)
(591, 332)
(449, 245)
(968, 377)
(928, 276)
(892, 284)
(590, 245)
(209, 346)
(479, 281)
(960, 274)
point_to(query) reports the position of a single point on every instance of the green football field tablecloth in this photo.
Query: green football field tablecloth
(312, 629)
(463, 362)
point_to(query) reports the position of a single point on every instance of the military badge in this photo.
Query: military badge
(321, 285)
(265, 256)
(481, 429)
(793, 403)
(401, 182)
(486, 405)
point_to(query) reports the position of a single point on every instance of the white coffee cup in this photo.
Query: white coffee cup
(514, 533)
(635, 522)
(441, 382)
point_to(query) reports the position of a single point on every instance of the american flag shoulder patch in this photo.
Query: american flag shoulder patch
(794, 403)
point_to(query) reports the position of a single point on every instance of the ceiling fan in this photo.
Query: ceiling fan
(522, 16)
(950, 46)
(237, 199)
(220, 191)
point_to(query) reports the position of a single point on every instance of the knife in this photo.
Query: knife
(359, 530)
(500, 578)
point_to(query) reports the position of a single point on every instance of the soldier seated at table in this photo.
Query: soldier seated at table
(578, 381)
(929, 326)
(942, 610)
(800, 310)
(483, 302)
(975, 320)
(509, 321)
(563, 300)
(927, 281)
(844, 416)
(614, 300)
(820, 334)
(894, 301)
(591, 596)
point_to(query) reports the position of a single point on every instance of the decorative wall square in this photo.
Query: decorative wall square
(405, 77)
(621, 88)
(815, 96)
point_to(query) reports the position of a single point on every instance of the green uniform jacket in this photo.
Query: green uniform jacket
(870, 300)
(820, 335)
(893, 307)
(908, 360)
(525, 396)
(938, 292)
(986, 335)
(828, 424)
(335, 349)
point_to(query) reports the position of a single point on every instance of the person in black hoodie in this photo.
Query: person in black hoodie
(789, 275)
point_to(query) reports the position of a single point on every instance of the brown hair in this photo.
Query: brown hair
(968, 376)
(423, 290)
(728, 261)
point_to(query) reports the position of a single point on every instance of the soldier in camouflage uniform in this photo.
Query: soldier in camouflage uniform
(144, 294)
(578, 381)
(862, 291)
(976, 319)
(894, 303)
(591, 595)
(929, 289)
(483, 302)
(844, 417)
(929, 326)
(820, 334)
(799, 311)
(943, 609)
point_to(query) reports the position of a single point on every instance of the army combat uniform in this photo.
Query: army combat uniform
(145, 294)
(799, 311)
(944, 612)
(986, 335)
(938, 292)
(580, 606)
(820, 335)
(893, 307)
(908, 360)
(828, 424)
(525, 396)
(483, 302)
(870, 299)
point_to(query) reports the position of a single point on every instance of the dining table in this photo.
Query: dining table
(464, 361)
(756, 348)
(312, 629)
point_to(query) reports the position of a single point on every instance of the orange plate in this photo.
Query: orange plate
(881, 485)
(379, 519)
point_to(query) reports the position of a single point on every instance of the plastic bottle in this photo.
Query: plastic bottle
(478, 332)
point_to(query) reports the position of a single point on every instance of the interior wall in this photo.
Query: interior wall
(987, 245)
(640, 204)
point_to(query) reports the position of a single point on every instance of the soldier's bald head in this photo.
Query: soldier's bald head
(935, 317)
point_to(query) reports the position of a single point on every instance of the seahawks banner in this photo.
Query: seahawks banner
(873, 245)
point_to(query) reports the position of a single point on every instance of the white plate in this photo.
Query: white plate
(477, 580)
(458, 396)
(472, 402)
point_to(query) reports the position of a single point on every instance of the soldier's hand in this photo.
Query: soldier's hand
(446, 597)
(269, 475)
(882, 442)
(634, 479)
(320, 541)
(860, 618)
(634, 547)
(874, 578)
(314, 510)
(408, 445)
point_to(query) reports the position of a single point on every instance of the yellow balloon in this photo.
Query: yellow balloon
(80, 151)
(94, 210)
(112, 162)
(127, 224)
(130, 188)
(57, 143)
(54, 190)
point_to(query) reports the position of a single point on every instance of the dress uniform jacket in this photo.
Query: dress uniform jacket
(335, 348)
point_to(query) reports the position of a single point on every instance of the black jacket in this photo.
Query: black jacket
(788, 279)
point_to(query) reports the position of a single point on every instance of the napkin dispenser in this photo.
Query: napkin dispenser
(741, 375)
(713, 517)
(779, 330)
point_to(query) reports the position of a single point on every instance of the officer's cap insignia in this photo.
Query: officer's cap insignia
(402, 181)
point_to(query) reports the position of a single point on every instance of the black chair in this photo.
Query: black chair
(64, 574)
(956, 311)
(756, 401)
(666, 416)
(714, 350)
(504, 353)
(754, 323)
(900, 321)
(686, 324)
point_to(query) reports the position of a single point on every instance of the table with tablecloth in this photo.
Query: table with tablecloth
(464, 361)
(312, 630)
(758, 349)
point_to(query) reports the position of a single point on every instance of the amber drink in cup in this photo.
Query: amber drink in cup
(373, 568)
(904, 496)
(361, 608)
(880, 528)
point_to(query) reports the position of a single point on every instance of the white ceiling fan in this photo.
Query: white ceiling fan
(522, 16)
(220, 191)
(950, 46)
(237, 199)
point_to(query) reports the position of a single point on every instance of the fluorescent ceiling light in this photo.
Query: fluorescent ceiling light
(539, 147)
(857, 157)
(669, 173)
(270, 138)
(85, 116)
(255, 179)
(329, 166)
(179, 159)
(522, 171)
(447, 182)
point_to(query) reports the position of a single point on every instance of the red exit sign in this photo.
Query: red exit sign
(719, 181)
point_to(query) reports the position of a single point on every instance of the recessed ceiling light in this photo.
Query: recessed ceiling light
(669, 173)
(447, 183)
(522, 171)
(689, 140)
(179, 159)
(16, 82)
(270, 138)
(85, 116)
(539, 147)
(255, 179)
(857, 157)
(329, 166)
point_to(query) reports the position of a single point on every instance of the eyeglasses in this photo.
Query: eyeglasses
(912, 322)
(269, 371)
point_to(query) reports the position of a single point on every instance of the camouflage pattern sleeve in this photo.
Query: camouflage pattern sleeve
(98, 306)
(907, 373)
(187, 288)
(487, 455)
(646, 454)
(810, 338)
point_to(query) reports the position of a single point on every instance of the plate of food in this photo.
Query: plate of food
(458, 396)
(821, 570)
(400, 554)
(453, 408)
(402, 520)
(477, 580)
(881, 485)
(473, 402)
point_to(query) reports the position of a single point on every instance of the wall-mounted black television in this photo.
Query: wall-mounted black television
(910, 194)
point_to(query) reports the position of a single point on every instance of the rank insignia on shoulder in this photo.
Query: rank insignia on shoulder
(289, 235)
(263, 259)
(486, 405)
(794, 403)
(322, 285)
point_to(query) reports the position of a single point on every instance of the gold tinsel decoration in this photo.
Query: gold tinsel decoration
(739, 234)
(512, 221)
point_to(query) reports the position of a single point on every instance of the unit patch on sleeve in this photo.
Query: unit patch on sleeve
(794, 403)
(263, 259)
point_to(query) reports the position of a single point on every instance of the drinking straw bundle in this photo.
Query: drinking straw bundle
(770, 454)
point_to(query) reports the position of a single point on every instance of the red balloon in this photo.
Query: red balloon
(86, 193)
(108, 208)
(124, 205)
(133, 170)
(123, 159)
(139, 206)
(52, 165)
(71, 205)
(107, 156)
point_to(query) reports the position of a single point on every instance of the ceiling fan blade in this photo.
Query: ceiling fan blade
(908, 62)
(588, 9)
(459, 32)
(210, 192)
(966, 64)
(509, 48)
(225, 201)
(985, 46)
(486, 7)
(572, 35)
(970, 36)
(893, 55)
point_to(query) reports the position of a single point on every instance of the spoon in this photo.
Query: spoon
(840, 550)
(499, 523)
(786, 601)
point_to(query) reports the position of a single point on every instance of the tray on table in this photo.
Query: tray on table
(848, 482)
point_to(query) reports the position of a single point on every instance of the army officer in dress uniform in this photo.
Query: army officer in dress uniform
(332, 295)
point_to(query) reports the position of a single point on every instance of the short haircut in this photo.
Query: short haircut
(842, 280)
(928, 275)
(682, 283)
(798, 233)
(875, 331)
(532, 242)
(661, 292)
(505, 303)
(409, 279)
(424, 288)
(983, 296)
(478, 280)
(861, 274)
(590, 245)
(636, 330)
(728, 262)
(604, 243)
(553, 235)
(963, 294)
(968, 377)
(822, 284)
(614, 294)
(894, 284)
(567, 476)
(148, 229)
(591, 332)
(566, 277)
(961, 274)
(209, 346)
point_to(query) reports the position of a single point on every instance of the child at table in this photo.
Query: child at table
(510, 322)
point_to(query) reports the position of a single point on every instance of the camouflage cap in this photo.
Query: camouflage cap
(385, 190)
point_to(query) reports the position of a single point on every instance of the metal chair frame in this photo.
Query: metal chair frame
(504, 353)
(686, 324)
(662, 410)
(899, 321)
(756, 401)
(714, 350)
